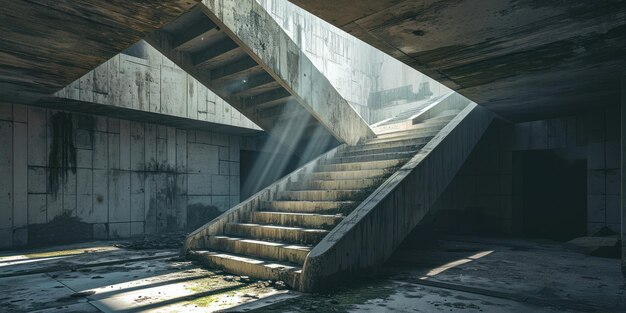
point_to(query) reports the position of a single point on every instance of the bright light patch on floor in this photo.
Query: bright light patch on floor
(456, 263)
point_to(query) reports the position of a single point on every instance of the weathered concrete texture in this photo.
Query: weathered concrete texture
(278, 52)
(98, 277)
(368, 236)
(147, 81)
(107, 178)
(276, 227)
(271, 82)
(483, 50)
(377, 85)
(473, 274)
(46, 45)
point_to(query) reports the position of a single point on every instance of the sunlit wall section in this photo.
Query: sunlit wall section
(377, 85)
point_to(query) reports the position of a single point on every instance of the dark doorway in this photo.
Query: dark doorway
(554, 195)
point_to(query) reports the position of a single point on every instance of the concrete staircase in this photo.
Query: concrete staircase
(248, 60)
(271, 235)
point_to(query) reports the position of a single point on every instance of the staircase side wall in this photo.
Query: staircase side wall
(368, 236)
(257, 32)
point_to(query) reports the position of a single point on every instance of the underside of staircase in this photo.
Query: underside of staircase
(238, 51)
(273, 234)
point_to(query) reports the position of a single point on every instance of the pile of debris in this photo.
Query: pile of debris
(172, 240)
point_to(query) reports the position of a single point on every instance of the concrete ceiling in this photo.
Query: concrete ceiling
(47, 44)
(524, 59)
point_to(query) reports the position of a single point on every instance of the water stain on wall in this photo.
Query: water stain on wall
(199, 214)
(62, 157)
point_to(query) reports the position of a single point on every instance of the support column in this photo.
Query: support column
(623, 161)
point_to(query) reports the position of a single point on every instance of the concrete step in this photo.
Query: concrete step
(339, 175)
(258, 248)
(371, 157)
(306, 220)
(344, 184)
(408, 124)
(246, 266)
(401, 142)
(276, 233)
(402, 148)
(321, 195)
(373, 144)
(309, 206)
(382, 164)
(402, 137)
(414, 130)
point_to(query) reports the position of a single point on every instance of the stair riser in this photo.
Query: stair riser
(278, 253)
(275, 234)
(365, 174)
(320, 195)
(408, 126)
(402, 137)
(306, 221)
(384, 164)
(408, 134)
(307, 207)
(258, 271)
(388, 144)
(398, 149)
(373, 157)
(411, 132)
(334, 184)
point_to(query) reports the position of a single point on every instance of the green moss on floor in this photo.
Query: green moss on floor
(339, 301)
(208, 284)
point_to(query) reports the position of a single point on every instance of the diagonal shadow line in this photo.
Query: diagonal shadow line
(101, 295)
(184, 298)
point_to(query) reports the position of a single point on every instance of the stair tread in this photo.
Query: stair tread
(284, 245)
(313, 201)
(370, 143)
(253, 261)
(404, 136)
(298, 213)
(372, 164)
(374, 155)
(315, 190)
(310, 230)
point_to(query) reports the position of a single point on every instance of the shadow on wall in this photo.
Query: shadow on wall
(199, 214)
(554, 195)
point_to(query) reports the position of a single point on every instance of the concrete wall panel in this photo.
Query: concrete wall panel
(130, 177)
(6, 179)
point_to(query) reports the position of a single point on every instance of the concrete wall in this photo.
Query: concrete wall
(114, 178)
(363, 75)
(487, 178)
(143, 79)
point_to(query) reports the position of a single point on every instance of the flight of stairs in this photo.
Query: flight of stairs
(273, 243)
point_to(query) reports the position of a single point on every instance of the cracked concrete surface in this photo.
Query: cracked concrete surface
(468, 274)
(99, 277)
(474, 274)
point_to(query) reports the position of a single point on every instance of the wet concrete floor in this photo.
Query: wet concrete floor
(453, 274)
